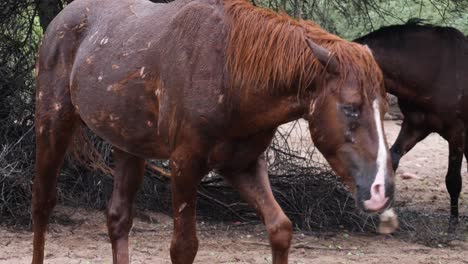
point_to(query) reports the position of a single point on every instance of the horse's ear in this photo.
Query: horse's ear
(323, 55)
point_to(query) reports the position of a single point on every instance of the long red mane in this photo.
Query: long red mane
(267, 51)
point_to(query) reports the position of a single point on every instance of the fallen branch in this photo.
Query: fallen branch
(159, 170)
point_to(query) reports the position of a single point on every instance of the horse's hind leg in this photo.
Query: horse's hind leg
(55, 121)
(456, 138)
(128, 177)
(254, 186)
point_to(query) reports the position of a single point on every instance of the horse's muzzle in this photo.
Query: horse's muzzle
(375, 198)
(377, 201)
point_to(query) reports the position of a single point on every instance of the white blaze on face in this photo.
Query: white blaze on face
(378, 199)
(382, 153)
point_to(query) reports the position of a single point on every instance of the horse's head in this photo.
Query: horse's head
(346, 126)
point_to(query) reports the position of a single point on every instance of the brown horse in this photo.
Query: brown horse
(426, 67)
(204, 83)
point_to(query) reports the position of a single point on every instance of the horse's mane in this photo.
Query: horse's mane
(266, 51)
(418, 21)
(414, 25)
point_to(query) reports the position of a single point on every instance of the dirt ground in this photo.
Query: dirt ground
(79, 236)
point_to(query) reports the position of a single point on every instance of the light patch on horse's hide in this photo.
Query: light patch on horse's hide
(57, 106)
(115, 66)
(157, 92)
(93, 35)
(41, 129)
(87, 9)
(182, 207)
(80, 26)
(104, 41)
(149, 123)
(312, 107)
(61, 34)
(133, 10)
(36, 70)
(100, 78)
(142, 71)
(89, 60)
(220, 99)
(113, 117)
(39, 96)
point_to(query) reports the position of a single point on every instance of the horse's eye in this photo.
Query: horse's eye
(350, 111)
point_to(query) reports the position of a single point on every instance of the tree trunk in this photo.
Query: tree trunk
(47, 10)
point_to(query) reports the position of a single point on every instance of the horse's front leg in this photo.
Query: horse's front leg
(186, 173)
(409, 136)
(254, 186)
(128, 177)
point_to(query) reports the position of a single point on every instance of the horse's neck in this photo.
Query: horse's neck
(264, 112)
(407, 61)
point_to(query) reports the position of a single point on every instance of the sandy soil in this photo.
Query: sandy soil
(79, 236)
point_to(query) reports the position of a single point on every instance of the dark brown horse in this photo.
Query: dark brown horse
(426, 67)
(204, 83)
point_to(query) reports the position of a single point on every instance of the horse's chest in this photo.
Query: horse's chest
(229, 155)
(237, 154)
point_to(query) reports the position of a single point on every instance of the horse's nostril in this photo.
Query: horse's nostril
(377, 199)
(378, 189)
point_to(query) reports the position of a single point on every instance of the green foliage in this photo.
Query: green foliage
(353, 18)
(399, 12)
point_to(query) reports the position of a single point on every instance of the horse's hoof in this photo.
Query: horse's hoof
(453, 223)
(388, 222)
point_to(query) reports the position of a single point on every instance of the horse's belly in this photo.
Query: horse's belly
(136, 135)
(126, 117)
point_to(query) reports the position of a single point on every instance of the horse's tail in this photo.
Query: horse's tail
(84, 152)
